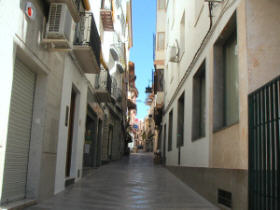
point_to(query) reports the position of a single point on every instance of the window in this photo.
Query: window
(170, 126)
(160, 40)
(199, 99)
(182, 35)
(161, 4)
(226, 84)
(180, 124)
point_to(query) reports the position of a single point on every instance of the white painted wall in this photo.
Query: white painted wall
(196, 26)
(71, 77)
(22, 38)
(160, 27)
(8, 11)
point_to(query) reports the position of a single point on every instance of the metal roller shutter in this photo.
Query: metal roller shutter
(19, 132)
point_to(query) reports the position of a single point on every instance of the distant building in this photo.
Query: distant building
(131, 104)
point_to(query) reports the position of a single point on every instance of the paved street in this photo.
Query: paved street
(131, 183)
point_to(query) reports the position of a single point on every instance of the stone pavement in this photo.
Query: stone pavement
(131, 183)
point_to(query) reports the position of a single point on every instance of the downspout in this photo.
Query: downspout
(202, 46)
(86, 4)
(210, 6)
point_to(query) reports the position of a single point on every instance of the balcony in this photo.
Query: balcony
(117, 94)
(157, 116)
(73, 6)
(158, 80)
(106, 13)
(130, 104)
(159, 100)
(118, 52)
(87, 44)
(103, 86)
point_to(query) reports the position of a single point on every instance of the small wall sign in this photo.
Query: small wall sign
(30, 10)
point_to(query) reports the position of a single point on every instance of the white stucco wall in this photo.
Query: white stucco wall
(7, 13)
(72, 77)
(22, 39)
(193, 153)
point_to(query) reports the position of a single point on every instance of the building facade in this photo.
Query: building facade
(133, 123)
(219, 53)
(59, 87)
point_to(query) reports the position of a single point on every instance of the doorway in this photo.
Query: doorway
(264, 164)
(164, 145)
(19, 133)
(110, 137)
(99, 143)
(70, 132)
(180, 128)
(90, 138)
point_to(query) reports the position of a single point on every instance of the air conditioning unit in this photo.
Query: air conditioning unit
(59, 27)
(173, 53)
(85, 27)
(119, 67)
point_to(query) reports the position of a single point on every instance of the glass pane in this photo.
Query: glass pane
(231, 82)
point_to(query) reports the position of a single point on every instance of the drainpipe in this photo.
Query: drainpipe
(210, 6)
(200, 49)
(86, 4)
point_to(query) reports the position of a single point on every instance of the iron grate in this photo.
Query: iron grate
(225, 198)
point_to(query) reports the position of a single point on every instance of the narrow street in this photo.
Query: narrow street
(131, 183)
(140, 104)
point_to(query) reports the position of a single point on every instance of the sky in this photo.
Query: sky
(144, 26)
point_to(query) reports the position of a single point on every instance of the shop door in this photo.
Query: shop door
(19, 133)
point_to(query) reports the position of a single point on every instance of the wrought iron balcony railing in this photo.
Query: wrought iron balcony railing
(117, 94)
(87, 44)
(116, 91)
(103, 86)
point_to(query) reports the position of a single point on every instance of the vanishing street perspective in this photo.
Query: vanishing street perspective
(140, 104)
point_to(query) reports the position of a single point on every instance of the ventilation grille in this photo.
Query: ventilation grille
(225, 198)
(54, 18)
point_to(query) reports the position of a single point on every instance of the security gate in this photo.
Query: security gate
(19, 132)
(264, 162)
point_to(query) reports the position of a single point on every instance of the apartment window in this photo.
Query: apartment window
(160, 40)
(161, 4)
(199, 99)
(182, 35)
(180, 124)
(170, 126)
(198, 10)
(226, 84)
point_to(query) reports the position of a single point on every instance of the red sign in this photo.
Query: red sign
(30, 10)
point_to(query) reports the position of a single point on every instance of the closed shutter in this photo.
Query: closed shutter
(19, 132)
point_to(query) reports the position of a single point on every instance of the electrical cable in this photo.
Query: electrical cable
(201, 48)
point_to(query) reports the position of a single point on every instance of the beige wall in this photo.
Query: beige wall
(258, 52)
(229, 148)
(160, 27)
(179, 78)
(263, 31)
